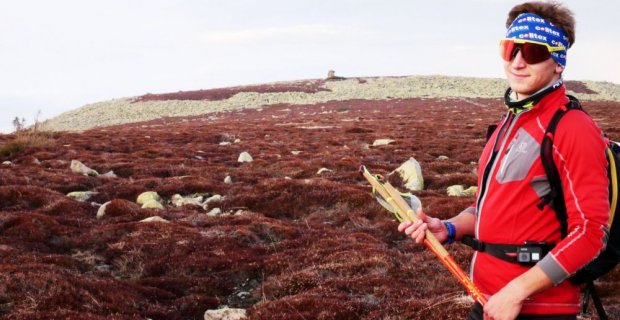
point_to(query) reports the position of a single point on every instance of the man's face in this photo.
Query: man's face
(525, 79)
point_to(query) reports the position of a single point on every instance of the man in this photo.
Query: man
(512, 181)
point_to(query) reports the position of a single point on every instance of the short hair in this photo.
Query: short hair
(553, 12)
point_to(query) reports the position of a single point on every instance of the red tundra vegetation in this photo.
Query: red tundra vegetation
(291, 244)
(308, 86)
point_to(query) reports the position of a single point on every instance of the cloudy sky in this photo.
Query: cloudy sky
(59, 55)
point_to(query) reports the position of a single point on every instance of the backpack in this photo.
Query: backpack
(610, 256)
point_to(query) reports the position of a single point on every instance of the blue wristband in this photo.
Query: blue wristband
(451, 230)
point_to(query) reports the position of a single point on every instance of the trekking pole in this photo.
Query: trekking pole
(404, 211)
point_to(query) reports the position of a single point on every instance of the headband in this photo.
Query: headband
(529, 26)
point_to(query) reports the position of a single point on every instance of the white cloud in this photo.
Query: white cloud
(297, 33)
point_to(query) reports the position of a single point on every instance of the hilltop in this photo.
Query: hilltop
(303, 92)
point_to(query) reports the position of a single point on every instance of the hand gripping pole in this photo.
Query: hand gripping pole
(403, 210)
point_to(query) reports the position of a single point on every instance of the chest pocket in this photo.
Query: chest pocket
(519, 158)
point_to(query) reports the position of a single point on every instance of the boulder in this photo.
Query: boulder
(179, 200)
(411, 174)
(214, 212)
(228, 180)
(245, 157)
(118, 207)
(460, 191)
(147, 196)
(79, 167)
(214, 198)
(323, 170)
(155, 219)
(101, 210)
(81, 195)
(382, 142)
(152, 204)
(109, 174)
(470, 192)
(225, 314)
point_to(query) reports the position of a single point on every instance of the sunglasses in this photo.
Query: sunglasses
(532, 51)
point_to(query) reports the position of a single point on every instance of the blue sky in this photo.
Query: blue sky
(59, 55)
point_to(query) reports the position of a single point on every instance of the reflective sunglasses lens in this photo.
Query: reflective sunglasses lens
(535, 53)
(532, 53)
(506, 48)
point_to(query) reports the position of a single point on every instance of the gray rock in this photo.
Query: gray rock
(147, 196)
(382, 142)
(225, 314)
(152, 204)
(109, 174)
(178, 200)
(460, 191)
(155, 219)
(411, 174)
(214, 212)
(79, 167)
(245, 157)
(101, 210)
(81, 195)
(214, 198)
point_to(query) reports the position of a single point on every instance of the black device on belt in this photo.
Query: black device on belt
(529, 253)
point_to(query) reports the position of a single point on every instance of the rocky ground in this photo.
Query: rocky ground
(288, 242)
(193, 103)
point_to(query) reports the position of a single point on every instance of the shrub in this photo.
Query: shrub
(32, 137)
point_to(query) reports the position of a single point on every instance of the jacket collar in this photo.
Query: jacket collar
(518, 106)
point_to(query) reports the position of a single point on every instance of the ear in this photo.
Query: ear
(559, 69)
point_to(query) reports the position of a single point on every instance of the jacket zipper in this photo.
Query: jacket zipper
(504, 132)
(502, 138)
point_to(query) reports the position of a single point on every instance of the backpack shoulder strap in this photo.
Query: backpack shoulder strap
(590, 291)
(555, 198)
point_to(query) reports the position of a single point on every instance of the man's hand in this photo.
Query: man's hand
(507, 302)
(416, 230)
(504, 305)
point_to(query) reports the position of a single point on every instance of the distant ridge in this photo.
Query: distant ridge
(188, 103)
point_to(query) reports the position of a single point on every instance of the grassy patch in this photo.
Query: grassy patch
(25, 138)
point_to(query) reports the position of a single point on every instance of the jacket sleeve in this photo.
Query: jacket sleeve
(579, 154)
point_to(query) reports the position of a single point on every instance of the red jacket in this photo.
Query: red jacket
(506, 208)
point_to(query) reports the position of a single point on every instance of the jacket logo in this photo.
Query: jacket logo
(521, 147)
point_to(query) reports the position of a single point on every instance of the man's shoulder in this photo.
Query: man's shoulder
(577, 129)
(576, 119)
